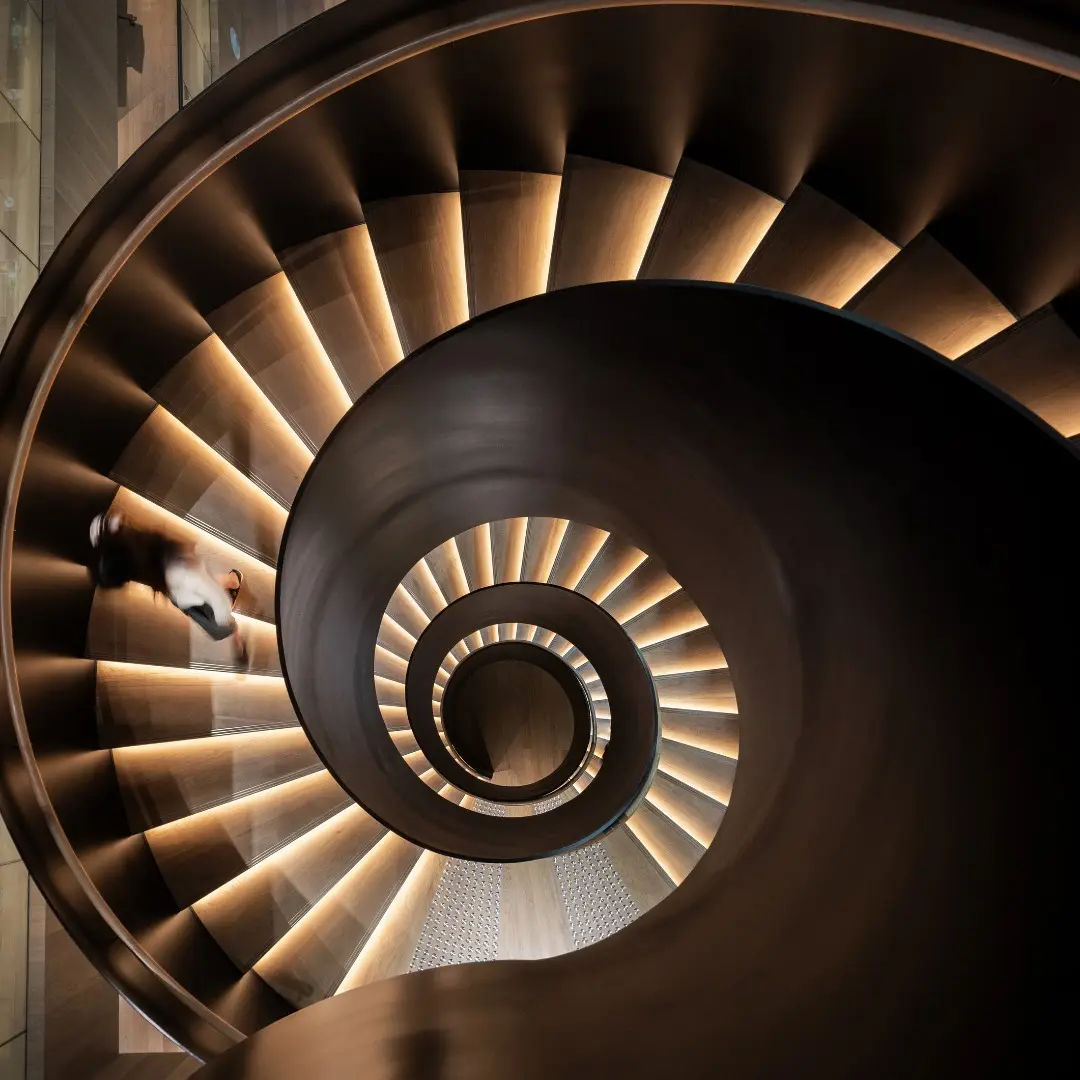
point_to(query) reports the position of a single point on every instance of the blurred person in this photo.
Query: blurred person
(123, 553)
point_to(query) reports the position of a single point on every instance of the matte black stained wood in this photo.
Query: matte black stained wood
(928, 294)
(819, 250)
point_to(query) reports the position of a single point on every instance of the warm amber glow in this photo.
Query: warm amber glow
(389, 691)
(638, 824)
(123, 669)
(194, 448)
(620, 570)
(686, 623)
(482, 556)
(394, 716)
(717, 787)
(293, 311)
(391, 661)
(690, 825)
(661, 590)
(277, 954)
(550, 553)
(545, 638)
(417, 889)
(395, 638)
(417, 761)
(515, 542)
(408, 602)
(588, 556)
(150, 514)
(434, 595)
(458, 578)
(290, 853)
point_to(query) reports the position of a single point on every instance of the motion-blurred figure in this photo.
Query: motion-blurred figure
(124, 553)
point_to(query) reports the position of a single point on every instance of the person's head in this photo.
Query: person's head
(114, 564)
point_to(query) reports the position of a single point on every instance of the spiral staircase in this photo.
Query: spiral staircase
(240, 345)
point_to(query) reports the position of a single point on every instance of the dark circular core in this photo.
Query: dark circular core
(509, 715)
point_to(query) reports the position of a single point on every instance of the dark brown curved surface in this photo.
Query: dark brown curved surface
(463, 721)
(888, 881)
(49, 695)
(635, 726)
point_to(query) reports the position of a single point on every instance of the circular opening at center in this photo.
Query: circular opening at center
(511, 721)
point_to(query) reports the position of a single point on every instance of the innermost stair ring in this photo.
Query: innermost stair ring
(510, 711)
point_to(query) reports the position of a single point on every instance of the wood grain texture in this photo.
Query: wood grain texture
(646, 586)
(616, 561)
(509, 227)
(696, 814)
(643, 879)
(424, 589)
(674, 851)
(522, 716)
(607, 213)
(258, 908)
(932, 297)
(201, 853)
(449, 570)
(702, 691)
(710, 227)
(150, 92)
(819, 250)
(140, 704)
(169, 465)
(136, 1035)
(711, 774)
(337, 280)
(718, 733)
(532, 916)
(14, 910)
(166, 781)
(542, 544)
(266, 329)
(580, 546)
(257, 595)
(211, 393)
(132, 624)
(421, 252)
(8, 851)
(695, 651)
(310, 961)
(672, 617)
(390, 948)
(1037, 362)
(508, 548)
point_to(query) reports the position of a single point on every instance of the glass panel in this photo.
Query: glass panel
(195, 49)
(20, 60)
(17, 276)
(239, 27)
(20, 173)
